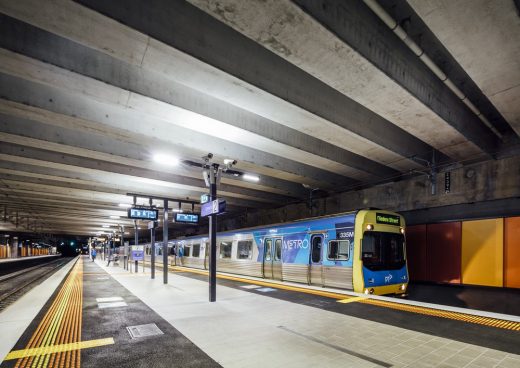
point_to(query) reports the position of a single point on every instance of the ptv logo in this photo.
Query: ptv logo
(388, 278)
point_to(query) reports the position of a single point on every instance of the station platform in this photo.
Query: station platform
(21, 259)
(92, 315)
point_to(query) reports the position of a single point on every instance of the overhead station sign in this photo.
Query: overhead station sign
(213, 208)
(187, 218)
(137, 213)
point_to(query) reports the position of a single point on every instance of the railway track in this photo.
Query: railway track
(16, 284)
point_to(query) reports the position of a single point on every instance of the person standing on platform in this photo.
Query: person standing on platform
(110, 256)
(93, 254)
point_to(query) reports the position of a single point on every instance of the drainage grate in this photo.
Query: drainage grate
(150, 329)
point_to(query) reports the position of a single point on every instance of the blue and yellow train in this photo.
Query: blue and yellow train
(362, 251)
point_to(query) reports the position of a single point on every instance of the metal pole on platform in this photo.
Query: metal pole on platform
(213, 237)
(152, 249)
(122, 246)
(136, 240)
(165, 242)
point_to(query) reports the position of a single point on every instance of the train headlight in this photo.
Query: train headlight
(370, 227)
(403, 287)
(369, 291)
(402, 230)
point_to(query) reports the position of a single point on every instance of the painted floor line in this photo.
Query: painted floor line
(352, 300)
(45, 350)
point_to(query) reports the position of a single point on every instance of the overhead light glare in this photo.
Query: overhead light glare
(105, 226)
(166, 160)
(125, 205)
(177, 210)
(250, 177)
(115, 217)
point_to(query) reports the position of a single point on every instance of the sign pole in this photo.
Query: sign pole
(136, 240)
(152, 233)
(122, 246)
(213, 238)
(165, 242)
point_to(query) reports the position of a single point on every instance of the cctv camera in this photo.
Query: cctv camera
(207, 157)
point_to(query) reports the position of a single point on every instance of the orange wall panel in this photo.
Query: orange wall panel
(512, 252)
(444, 252)
(482, 252)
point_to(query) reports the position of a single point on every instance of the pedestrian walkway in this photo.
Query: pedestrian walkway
(245, 329)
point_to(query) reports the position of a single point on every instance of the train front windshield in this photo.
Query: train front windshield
(383, 251)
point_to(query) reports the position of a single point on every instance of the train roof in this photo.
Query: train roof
(281, 223)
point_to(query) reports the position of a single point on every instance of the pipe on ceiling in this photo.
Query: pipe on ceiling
(417, 50)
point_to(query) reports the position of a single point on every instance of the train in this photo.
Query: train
(362, 251)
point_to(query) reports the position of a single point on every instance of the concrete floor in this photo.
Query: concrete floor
(250, 326)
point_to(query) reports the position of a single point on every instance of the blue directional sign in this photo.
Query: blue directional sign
(187, 218)
(143, 213)
(213, 208)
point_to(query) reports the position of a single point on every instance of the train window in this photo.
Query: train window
(225, 249)
(245, 249)
(187, 249)
(195, 251)
(277, 249)
(316, 243)
(267, 249)
(339, 250)
(382, 251)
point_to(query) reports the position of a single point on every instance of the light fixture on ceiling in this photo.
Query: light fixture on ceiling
(125, 205)
(166, 160)
(105, 226)
(115, 217)
(250, 177)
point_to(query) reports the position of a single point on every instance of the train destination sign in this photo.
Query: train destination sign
(187, 218)
(213, 208)
(383, 218)
(143, 213)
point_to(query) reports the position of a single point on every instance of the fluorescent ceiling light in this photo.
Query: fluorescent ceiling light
(115, 217)
(250, 177)
(177, 210)
(125, 205)
(105, 226)
(167, 160)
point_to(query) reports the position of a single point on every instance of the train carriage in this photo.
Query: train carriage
(362, 251)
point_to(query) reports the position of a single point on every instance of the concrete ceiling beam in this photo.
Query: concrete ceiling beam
(133, 118)
(86, 27)
(66, 54)
(174, 24)
(355, 24)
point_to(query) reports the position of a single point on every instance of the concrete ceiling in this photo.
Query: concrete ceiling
(321, 93)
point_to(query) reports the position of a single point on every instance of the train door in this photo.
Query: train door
(277, 258)
(272, 263)
(315, 260)
(267, 263)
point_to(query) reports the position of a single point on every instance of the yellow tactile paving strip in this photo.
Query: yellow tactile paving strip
(469, 318)
(61, 325)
